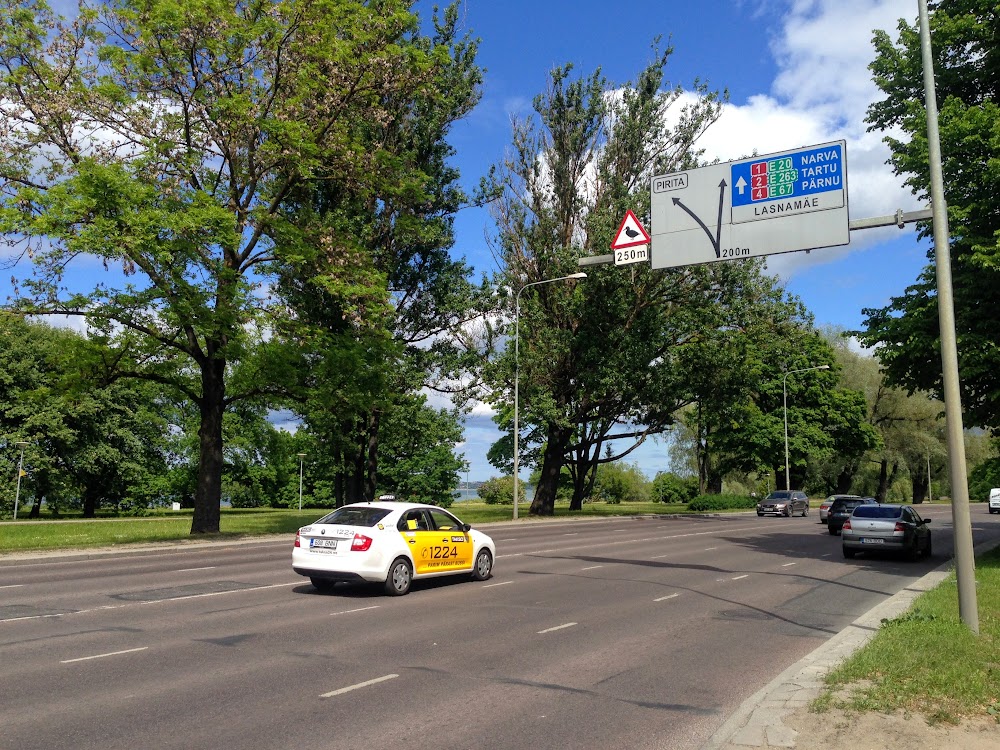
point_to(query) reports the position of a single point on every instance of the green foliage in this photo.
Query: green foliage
(497, 491)
(905, 333)
(721, 502)
(667, 487)
(619, 482)
(982, 479)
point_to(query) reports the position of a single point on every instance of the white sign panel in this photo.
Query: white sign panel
(776, 203)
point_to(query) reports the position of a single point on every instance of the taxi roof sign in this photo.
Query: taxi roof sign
(630, 233)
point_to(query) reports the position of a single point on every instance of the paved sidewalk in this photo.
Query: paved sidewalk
(758, 722)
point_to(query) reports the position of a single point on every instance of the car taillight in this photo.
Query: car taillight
(297, 543)
(361, 543)
(847, 525)
(899, 527)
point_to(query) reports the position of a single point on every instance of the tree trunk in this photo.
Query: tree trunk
(212, 405)
(584, 475)
(544, 502)
(844, 480)
(371, 475)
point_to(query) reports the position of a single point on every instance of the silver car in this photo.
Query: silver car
(889, 528)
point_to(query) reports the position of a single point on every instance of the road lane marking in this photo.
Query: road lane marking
(360, 685)
(101, 656)
(502, 583)
(557, 627)
(191, 570)
(668, 596)
(351, 611)
(786, 565)
(572, 533)
(154, 601)
(592, 567)
(709, 549)
(12, 586)
(745, 575)
(657, 557)
(640, 539)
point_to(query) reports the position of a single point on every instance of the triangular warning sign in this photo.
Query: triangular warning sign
(630, 233)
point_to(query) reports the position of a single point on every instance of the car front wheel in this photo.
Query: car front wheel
(400, 577)
(805, 511)
(788, 512)
(484, 566)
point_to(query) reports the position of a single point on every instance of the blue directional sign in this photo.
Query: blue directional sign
(780, 180)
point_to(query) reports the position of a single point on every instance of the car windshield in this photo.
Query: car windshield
(782, 495)
(355, 516)
(877, 511)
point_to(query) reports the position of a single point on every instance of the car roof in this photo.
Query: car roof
(391, 505)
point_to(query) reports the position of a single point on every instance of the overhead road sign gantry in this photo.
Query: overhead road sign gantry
(775, 203)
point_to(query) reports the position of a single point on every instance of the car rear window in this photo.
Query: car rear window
(877, 511)
(846, 504)
(355, 516)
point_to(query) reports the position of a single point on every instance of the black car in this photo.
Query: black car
(784, 503)
(841, 510)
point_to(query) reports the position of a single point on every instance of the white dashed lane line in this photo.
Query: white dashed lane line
(501, 583)
(557, 627)
(101, 656)
(360, 685)
(352, 611)
(668, 596)
(191, 570)
(592, 567)
(788, 565)
(737, 578)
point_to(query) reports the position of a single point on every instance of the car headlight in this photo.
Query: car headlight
(780, 505)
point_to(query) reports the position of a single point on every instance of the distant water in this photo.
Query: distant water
(463, 494)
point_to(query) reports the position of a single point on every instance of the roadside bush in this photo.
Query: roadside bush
(722, 502)
(669, 488)
(619, 482)
(497, 491)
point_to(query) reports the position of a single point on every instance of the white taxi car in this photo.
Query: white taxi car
(391, 543)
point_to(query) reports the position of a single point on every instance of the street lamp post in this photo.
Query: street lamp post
(301, 456)
(517, 356)
(784, 400)
(20, 470)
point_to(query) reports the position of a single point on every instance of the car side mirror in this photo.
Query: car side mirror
(928, 520)
(466, 527)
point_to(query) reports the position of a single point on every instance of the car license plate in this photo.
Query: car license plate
(872, 541)
(323, 545)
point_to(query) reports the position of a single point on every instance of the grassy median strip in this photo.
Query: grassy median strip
(927, 661)
(68, 533)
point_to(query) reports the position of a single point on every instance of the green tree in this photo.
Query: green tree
(417, 452)
(595, 364)
(905, 333)
(179, 137)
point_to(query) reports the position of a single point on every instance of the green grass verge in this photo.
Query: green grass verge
(927, 661)
(68, 532)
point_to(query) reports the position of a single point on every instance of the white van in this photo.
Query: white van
(995, 500)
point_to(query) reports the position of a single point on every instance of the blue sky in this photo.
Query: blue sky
(797, 75)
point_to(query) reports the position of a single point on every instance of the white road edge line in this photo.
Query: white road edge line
(664, 598)
(351, 611)
(360, 685)
(502, 583)
(101, 656)
(557, 627)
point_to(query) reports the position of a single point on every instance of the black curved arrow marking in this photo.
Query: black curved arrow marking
(718, 222)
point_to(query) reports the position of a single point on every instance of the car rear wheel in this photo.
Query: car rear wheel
(849, 553)
(832, 530)
(484, 566)
(322, 584)
(805, 511)
(400, 577)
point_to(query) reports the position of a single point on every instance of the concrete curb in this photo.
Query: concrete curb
(758, 722)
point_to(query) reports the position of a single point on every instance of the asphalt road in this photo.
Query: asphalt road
(617, 633)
